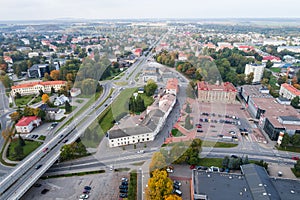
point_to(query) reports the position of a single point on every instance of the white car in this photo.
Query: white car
(141, 151)
(169, 170)
(84, 196)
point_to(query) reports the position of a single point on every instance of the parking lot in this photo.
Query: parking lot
(103, 186)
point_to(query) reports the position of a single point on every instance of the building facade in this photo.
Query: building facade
(288, 91)
(224, 92)
(35, 87)
(27, 124)
(257, 71)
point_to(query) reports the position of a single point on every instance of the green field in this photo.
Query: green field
(106, 120)
(29, 147)
(218, 144)
(275, 69)
(176, 133)
(147, 100)
(24, 100)
(42, 137)
(132, 190)
(290, 148)
(217, 162)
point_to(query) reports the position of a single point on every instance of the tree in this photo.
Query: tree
(150, 87)
(249, 78)
(45, 98)
(7, 133)
(282, 79)
(18, 152)
(68, 107)
(295, 140)
(295, 102)
(52, 90)
(54, 74)
(15, 116)
(225, 162)
(269, 64)
(41, 92)
(245, 160)
(297, 166)
(21, 141)
(160, 185)
(158, 162)
(173, 197)
(285, 140)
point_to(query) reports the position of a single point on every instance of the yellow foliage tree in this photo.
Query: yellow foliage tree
(45, 98)
(7, 133)
(173, 197)
(15, 116)
(158, 161)
(160, 185)
(54, 75)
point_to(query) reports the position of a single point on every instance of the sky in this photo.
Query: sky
(138, 9)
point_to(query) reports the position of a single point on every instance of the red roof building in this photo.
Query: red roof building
(26, 124)
(224, 92)
(288, 91)
(271, 58)
(172, 86)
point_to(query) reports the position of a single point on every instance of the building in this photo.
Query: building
(172, 86)
(27, 124)
(273, 59)
(35, 87)
(252, 91)
(52, 113)
(150, 73)
(61, 100)
(224, 92)
(38, 70)
(288, 91)
(8, 59)
(257, 70)
(295, 49)
(274, 42)
(75, 92)
(144, 129)
(253, 183)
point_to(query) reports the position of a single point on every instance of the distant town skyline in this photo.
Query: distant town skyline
(138, 9)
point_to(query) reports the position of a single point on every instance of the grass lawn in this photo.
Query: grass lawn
(36, 100)
(29, 147)
(132, 189)
(290, 148)
(275, 69)
(121, 83)
(297, 174)
(106, 120)
(273, 82)
(176, 133)
(79, 101)
(217, 162)
(24, 100)
(218, 144)
(42, 137)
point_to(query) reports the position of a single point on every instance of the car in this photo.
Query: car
(87, 188)
(84, 196)
(199, 130)
(37, 185)
(192, 167)
(44, 191)
(123, 187)
(232, 132)
(169, 170)
(123, 195)
(105, 105)
(124, 179)
(178, 192)
(46, 149)
(38, 166)
(124, 183)
(111, 168)
(234, 156)
(140, 151)
(176, 187)
(212, 126)
(61, 136)
(221, 169)
(86, 192)
(123, 190)
(66, 141)
(295, 158)
(177, 183)
(199, 126)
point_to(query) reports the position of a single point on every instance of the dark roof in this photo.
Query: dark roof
(259, 182)
(290, 118)
(287, 189)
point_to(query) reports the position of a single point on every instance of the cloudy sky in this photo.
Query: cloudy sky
(118, 9)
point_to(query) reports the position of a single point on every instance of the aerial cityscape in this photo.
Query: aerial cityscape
(122, 103)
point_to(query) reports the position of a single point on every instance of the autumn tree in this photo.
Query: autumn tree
(150, 87)
(158, 161)
(159, 186)
(7, 133)
(54, 74)
(173, 197)
(249, 78)
(15, 116)
(45, 98)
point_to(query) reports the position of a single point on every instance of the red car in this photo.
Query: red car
(192, 167)
(295, 158)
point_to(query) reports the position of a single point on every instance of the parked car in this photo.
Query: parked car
(176, 187)
(124, 183)
(123, 195)
(192, 167)
(123, 187)
(124, 179)
(234, 156)
(46, 149)
(295, 158)
(199, 130)
(84, 196)
(123, 190)
(177, 183)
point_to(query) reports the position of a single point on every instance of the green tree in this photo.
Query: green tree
(285, 140)
(245, 160)
(18, 152)
(21, 141)
(295, 102)
(188, 108)
(225, 162)
(68, 107)
(249, 78)
(295, 140)
(269, 64)
(297, 166)
(150, 87)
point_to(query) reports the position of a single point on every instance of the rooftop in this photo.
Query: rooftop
(228, 87)
(25, 121)
(32, 84)
(172, 84)
(291, 89)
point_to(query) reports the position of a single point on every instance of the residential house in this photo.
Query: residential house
(27, 124)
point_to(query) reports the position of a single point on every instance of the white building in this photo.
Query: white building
(61, 100)
(148, 128)
(274, 42)
(75, 92)
(288, 91)
(257, 70)
(295, 49)
(26, 124)
(35, 87)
